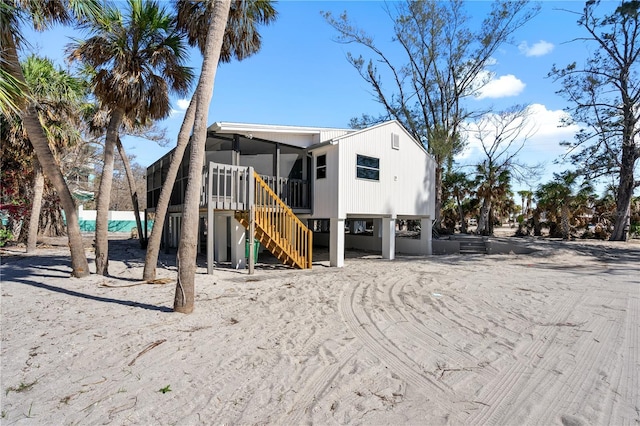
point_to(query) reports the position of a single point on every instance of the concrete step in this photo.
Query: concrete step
(473, 247)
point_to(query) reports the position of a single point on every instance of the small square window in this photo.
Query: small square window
(321, 166)
(367, 167)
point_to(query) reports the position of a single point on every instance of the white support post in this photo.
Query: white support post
(426, 230)
(238, 237)
(336, 244)
(165, 233)
(252, 218)
(220, 238)
(176, 229)
(211, 226)
(208, 200)
(377, 228)
(389, 238)
(198, 242)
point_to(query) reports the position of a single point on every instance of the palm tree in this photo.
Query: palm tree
(502, 136)
(12, 91)
(98, 121)
(185, 288)
(563, 198)
(56, 95)
(458, 185)
(41, 14)
(241, 36)
(194, 18)
(504, 206)
(138, 58)
(527, 196)
(523, 221)
(132, 191)
(493, 185)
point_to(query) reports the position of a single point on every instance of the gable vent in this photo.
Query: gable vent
(395, 141)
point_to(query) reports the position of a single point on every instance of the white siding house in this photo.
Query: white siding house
(335, 179)
(377, 173)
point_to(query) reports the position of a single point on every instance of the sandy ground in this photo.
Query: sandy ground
(547, 338)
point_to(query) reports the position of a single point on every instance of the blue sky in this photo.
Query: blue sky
(301, 75)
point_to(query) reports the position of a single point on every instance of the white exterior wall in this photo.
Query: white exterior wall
(325, 191)
(327, 135)
(299, 140)
(407, 175)
(302, 137)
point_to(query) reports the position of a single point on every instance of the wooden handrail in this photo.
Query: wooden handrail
(281, 224)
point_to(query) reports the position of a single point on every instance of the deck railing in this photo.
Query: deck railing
(294, 192)
(238, 188)
(226, 187)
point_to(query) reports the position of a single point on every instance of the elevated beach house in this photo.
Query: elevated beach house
(292, 188)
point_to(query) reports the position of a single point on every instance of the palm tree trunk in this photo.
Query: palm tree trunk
(153, 245)
(463, 222)
(36, 207)
(50, 168)
(185, 287)
(483, 220)
(132, 189)
(565, 225)
(537, 226)
(104, 194)
(490, 221)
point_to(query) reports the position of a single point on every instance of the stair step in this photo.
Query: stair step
(473, 247)
(284, 253)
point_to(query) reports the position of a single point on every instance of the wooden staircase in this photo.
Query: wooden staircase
(277, 227)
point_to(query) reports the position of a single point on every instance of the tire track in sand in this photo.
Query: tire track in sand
(498, 396)
(560, 386)
(360, 323)
(316, 386)
(627, 385)
(415, 328)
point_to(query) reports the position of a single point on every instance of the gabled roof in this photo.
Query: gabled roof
(228, 127)
(356, 132)
(299, 136)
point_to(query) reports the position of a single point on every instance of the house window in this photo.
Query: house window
(368, 167)
(321, 166)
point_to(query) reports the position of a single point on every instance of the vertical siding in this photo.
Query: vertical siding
(327, 135)
(406, 182)
(325, 191)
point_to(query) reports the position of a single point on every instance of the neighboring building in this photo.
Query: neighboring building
(117, 221)
(325, 177)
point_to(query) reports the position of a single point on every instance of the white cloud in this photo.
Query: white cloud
(540, 48)
(550, 130)
(491, 62)
(502, 87)
(543, 146)
(183, 104)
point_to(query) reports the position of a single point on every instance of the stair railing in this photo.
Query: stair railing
(281, 224)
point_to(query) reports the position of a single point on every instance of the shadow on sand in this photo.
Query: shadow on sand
(36, 270)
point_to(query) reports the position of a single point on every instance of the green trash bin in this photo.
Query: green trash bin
(256, 247)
